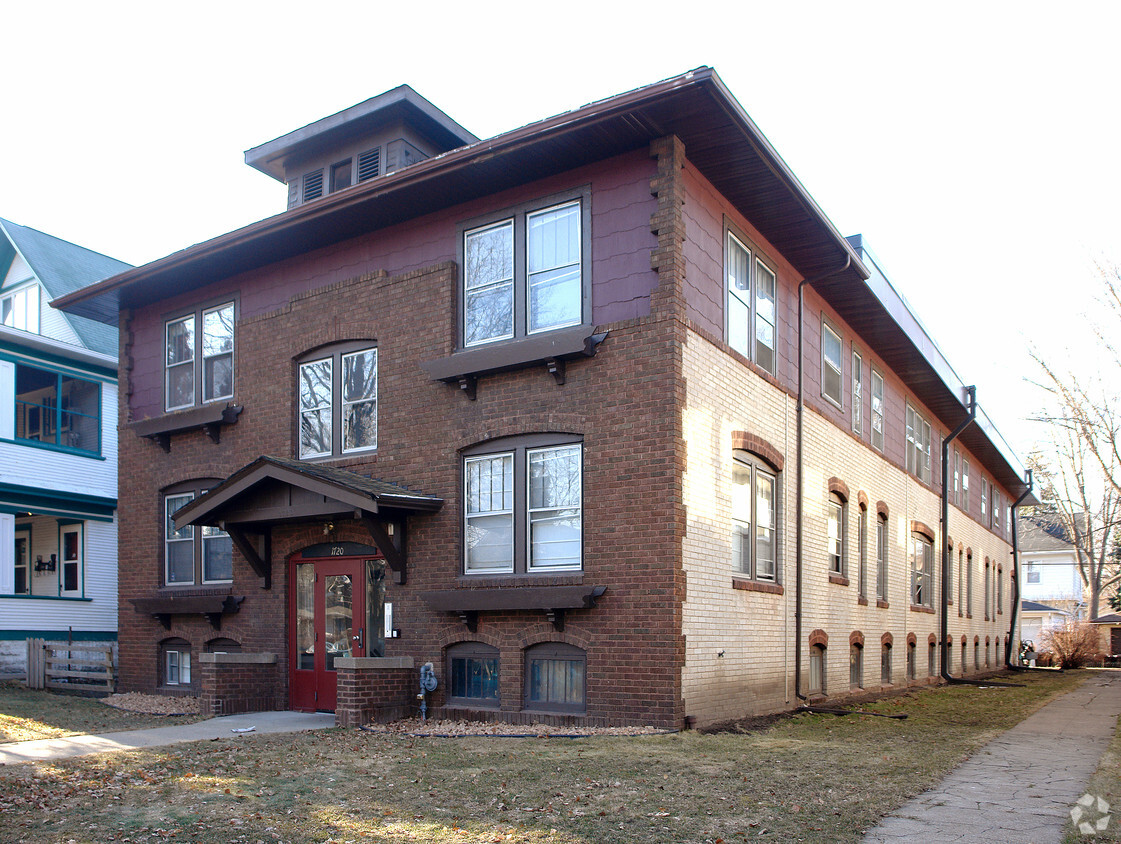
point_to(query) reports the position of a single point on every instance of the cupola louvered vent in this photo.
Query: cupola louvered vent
(369, 164)
(313, 185)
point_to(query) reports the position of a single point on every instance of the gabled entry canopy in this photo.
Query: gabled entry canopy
(278, 490)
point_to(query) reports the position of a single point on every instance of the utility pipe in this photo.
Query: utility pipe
(799, 483)
(1016, 580)
(947, 557)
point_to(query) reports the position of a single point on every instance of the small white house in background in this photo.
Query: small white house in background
(58, 449)
(1037, 618)
(1049, 567)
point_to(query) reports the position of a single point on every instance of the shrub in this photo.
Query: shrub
(1073, 645)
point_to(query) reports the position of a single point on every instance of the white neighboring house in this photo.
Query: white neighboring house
(58, 449)
(1050, 585)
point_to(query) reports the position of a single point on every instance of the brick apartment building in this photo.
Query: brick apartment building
(527, 409)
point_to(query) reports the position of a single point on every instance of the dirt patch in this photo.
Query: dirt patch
(753, 724)
(154, 704)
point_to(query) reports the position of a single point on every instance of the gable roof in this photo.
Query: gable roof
(1042, 530)
(1035, 606)
(63, 267)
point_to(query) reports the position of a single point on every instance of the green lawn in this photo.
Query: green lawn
(814, 778)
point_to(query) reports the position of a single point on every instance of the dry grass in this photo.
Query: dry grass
(814, 778)
(27, 714)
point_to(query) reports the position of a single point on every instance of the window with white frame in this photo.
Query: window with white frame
(70, 565)
(23, 561)
(984, 502)
(754, 517)
(194, 554)
(857, 394)
(877, 410)
(199, 357)
(922, 571)
(1032, 570)
(831, 363)
(836, 533)
(751, 316)
(523, 506)
(997, 506)
(176, 662)
(525, 271)
(918, 445)
(965, 485)
(956, 496)
(19, 308)
(881, 558)
(338, 401)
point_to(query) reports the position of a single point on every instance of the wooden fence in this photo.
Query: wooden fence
(86, 667)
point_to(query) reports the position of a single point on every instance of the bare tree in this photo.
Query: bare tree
(1081, 479)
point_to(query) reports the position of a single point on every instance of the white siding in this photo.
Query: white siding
(53, 324)
(7, 400)
(17, 272)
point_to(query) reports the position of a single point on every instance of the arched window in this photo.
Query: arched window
(555, 678)
(911, 647)
(754, 517)
(337, 400)
(222, 645)
(856, 665)
(838, 510)
(817, 670)
(473, 675)
(885, 664)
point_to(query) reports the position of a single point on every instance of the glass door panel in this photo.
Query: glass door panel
(338, 617)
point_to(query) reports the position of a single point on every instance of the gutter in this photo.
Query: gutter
(947, 557)
(800, 483)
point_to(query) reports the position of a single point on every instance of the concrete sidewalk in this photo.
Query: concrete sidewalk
(1021, 786)
(224, 727)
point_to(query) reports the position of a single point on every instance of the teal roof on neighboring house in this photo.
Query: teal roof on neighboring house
(63, 267)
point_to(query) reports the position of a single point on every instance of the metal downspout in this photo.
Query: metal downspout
(1016, 580)
(798, 495)
(943, 612)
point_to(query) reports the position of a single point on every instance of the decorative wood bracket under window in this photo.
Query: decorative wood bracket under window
(554, 601)
(210, 418)
(213, 607)
(551, 349)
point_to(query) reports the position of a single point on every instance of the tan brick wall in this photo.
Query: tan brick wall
(754, 631)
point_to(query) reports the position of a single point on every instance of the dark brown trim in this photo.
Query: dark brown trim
(917, 608)
(747, 585)
(259, 558)
(210, 418)
(838, 579)
(212, 607)
(882, 605)
(745, 441)
(553, 600)
(882, 510)
(862, 601)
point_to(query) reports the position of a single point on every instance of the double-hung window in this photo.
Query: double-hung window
(836, 534)
(922, 571)
(71, 545)
(523, 506)
(881, 558)
(831, 363)
(526, 272)
(918, 445)
(965, 485)
(338, 401)
(877, 410)
(754, 518)
(194, 554)
(199, 357)
(750, 303)
(857, 394)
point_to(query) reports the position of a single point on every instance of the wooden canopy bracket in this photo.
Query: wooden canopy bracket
(470, 618)
(468, 383)
(556, 369)
(394, 554)
(259, 558)
(556, 616)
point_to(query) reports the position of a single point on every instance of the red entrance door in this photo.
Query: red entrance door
(327, 622)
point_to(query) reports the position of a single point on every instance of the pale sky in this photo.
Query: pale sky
(975, 145)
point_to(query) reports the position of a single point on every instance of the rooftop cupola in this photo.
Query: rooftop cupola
(374, 138)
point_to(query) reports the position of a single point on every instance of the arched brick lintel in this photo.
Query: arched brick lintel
(976, 640)
(819, 637)
(887, 639)
(912, 639)
(862, 499)
(932, 639)
(856, 638)
(839, 487)
(924, 529)
(758, 446)
(881, 509)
